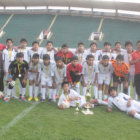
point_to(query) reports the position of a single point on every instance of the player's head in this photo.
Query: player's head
(19, 57)
(105, 60)
(138, 45)
(65, 86)
(59, 61)
(49, 45)
(64, 48)
(90, 59)
(23, 42)
(9, 42)
(107, 46)
(119, 59)
(35, 58)
(93, 46)
(35, 45)
(112, 91)
(46, 59)
(118, 46)
(74, 60)
(81, 46)
(128, 45)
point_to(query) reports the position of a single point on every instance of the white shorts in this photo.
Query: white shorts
(46, 81)
(104, 78)
(32, 77)
(89, 79)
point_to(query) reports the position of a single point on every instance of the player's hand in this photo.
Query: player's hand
(109, 110)
(95, 83)
(129, 103)
(132, 112)
(10, 80)
(24, 81)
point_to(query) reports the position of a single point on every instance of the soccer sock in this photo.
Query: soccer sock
(36, 91)
(137, 116)
(20, 88)
(8, 92)
(54, 94)
(43, 93)
(120, 87)
(50, 93)
(125, 90)
(95, 92)
(31, 90)
(84, 90)
(23, 92)
(102, 102)
(129, 90)
(135, 93)
(14, 91)
(100, 94)
(105, 97)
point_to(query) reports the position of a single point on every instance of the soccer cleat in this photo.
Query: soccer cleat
(106, 100)
(7, 100)
(30, 98)
(57, 97)
(24, 99)
(36, 99)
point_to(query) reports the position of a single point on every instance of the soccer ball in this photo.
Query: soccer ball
(66, 104)
(1, 95)
(12, 83)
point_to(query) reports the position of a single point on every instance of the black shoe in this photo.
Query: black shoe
(50, 100)
(43, 100)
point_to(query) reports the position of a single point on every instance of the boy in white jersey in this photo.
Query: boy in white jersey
(50, 50)
(127, 59)
(59, 75)
(124, 103)
(94, 51)
(34, 77)
(81, 53)
(90, 74)
(34, 49)
(9, 55)
(46, 77)
(104, 77)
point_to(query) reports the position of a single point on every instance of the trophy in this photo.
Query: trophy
(77, 107)
(87, 110)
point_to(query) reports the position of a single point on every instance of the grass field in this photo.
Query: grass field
(44, 121)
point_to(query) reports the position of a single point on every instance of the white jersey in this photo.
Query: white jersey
(25, 52)
(59, 74)
(8, 57)
(31, 52)
(109, 54)
(120, 101)
(35, 67)
(81, 56)
(122, 52)
(72, 94)
(105, 69)
(89, 71)
(96, 54)
(50, 53)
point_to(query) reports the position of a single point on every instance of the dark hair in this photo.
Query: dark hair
(23, 40)
(89, 56)
(19, 55)
(9, 39)
(93, 43)
(58, 58)
(64, 83)
(105, 57)
(128, 43)
(80, 43)
(46, 57)
(111, 89)
(120, 57)
(35, 42)
(49, 42)
(35, 56)
(117, 43)
(64, 46)
(137, 42)
(74, 58)
(107, 43)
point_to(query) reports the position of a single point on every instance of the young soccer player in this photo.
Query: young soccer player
(104, 76)
(90, 74)
(46, 77)
(9, 55)
(65, 54)
(17, 69)
(59, 75)
(124, 103)
(50, 50)
(136, 61)
(34, 77)
(120, 73)
(74, 73)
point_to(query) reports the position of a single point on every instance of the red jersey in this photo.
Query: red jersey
(65, 56)
(74, 72)
(135, 56)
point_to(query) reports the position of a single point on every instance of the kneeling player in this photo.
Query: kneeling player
(124, 103)
(17, 69)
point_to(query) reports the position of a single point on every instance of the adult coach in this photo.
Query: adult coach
(136, 61)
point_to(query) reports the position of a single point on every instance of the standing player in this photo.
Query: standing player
(104, 76)
(90, 74)
(74, 73)
(34, 77)
(17, 69)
